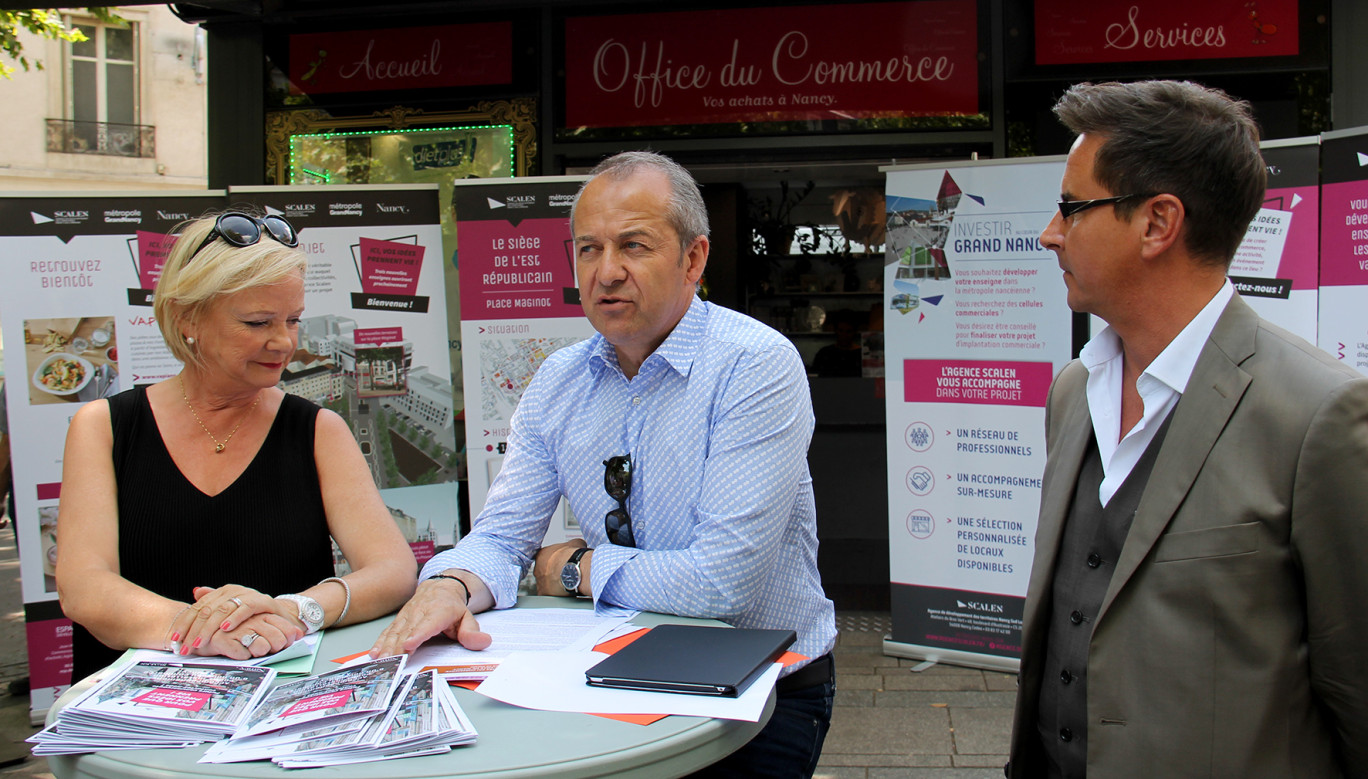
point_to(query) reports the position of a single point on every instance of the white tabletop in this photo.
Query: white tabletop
(513, 743)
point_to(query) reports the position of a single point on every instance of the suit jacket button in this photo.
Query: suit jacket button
(1065, 735)
(1065, 676)
(1094, 560)
(1076, 617)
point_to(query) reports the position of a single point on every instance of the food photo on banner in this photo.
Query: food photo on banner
(976, 325)
(76, 273)
(520, 303)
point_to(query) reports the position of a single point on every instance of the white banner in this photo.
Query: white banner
(976, 327)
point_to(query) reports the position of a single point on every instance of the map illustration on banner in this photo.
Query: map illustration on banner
(976, 327)
(519, 303)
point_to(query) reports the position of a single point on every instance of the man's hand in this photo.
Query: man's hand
(550, 560)
(437, 607)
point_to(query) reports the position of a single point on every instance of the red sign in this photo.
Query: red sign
(1069, 33)
(773, 64)
(454, 55)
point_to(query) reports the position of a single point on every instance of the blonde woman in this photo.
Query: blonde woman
(196, 512)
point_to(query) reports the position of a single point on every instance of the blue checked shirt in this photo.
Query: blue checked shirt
(717, 421)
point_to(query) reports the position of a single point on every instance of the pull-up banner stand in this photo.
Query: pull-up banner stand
(976, 327)
(1344, 247)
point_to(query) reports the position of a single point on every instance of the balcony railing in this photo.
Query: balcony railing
(118, 140)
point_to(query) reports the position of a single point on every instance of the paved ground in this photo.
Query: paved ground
(890, 722)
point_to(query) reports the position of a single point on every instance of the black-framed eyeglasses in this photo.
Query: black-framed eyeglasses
(242, 230)
(1068, 208)
(617, 481)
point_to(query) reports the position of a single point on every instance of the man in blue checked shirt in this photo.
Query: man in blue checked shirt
(683, 424)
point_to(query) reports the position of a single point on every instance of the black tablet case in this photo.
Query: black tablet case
(694, 659)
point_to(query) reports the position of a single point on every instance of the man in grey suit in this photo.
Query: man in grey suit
(1198, 605)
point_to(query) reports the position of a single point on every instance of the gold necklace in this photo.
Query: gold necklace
(218, 447)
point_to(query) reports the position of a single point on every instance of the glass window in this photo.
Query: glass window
(102, 88)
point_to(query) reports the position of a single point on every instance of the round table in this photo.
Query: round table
(513, 743)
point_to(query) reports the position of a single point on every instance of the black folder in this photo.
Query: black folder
(694, 659)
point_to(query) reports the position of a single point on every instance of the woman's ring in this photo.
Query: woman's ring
(248, 639)
(238, 601)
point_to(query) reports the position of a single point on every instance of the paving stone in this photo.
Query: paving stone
(860, 638)
(998, 681)
(906, 680)
(866, 660)
(939, 668)
(839, 772)
(910, 698)
(981, 731)
(856, 699)
(907, 761)
(935, 773)
(869, 681)
(980, 761)
(889, 732)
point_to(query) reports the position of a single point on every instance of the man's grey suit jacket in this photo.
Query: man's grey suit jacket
(1233, 638)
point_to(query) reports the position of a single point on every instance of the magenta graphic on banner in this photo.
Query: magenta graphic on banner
(152, 251)
(522, 271)
(977, 381)
(375, 336)
(390, 267)
(1344, 235)
(1299, 255)
(328, 700)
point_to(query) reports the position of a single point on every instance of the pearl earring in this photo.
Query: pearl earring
(190, 339)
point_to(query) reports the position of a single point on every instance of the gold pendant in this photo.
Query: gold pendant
(218, 448)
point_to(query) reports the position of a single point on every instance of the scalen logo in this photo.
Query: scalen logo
(991, 608)
(39, 219)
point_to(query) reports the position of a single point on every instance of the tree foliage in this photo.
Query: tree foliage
(45, 23)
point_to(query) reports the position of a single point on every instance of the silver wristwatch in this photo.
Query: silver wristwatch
(310, 613)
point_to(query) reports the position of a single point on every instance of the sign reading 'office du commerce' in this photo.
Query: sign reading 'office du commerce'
(1069, 33)
(855, 61)
(452, 55)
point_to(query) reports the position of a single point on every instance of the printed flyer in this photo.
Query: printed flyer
(976, 326)
(1344, 247)
(519, 304)
(76, 279)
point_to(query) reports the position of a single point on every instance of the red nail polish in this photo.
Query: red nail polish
(224, 626)
(175, 636)
(197, 642)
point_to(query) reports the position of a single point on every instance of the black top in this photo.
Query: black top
(266, 531)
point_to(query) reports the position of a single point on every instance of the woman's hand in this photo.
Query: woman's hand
(217, 619)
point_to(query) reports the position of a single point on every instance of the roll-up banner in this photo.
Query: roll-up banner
(976, 327)
(373, 340)
(1344, 247)
(1276, 268)
(519, 303)
(76, 279)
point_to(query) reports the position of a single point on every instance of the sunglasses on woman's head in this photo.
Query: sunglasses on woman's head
(243, 230)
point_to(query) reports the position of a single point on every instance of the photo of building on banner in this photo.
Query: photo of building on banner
(976, 326)
(372, 342)
(1344, 247)
(76, 280)
(519, 303)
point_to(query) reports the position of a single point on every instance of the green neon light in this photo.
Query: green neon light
(294, 151)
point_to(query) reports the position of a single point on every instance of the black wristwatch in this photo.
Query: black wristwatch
(570, 574)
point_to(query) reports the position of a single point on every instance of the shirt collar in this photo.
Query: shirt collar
(1175, 363)
(678, 350)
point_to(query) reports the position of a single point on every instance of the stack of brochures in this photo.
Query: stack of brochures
(363, 712)
(151, 705)
(423, 718)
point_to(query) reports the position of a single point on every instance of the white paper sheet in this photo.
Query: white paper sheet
(555, 682)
